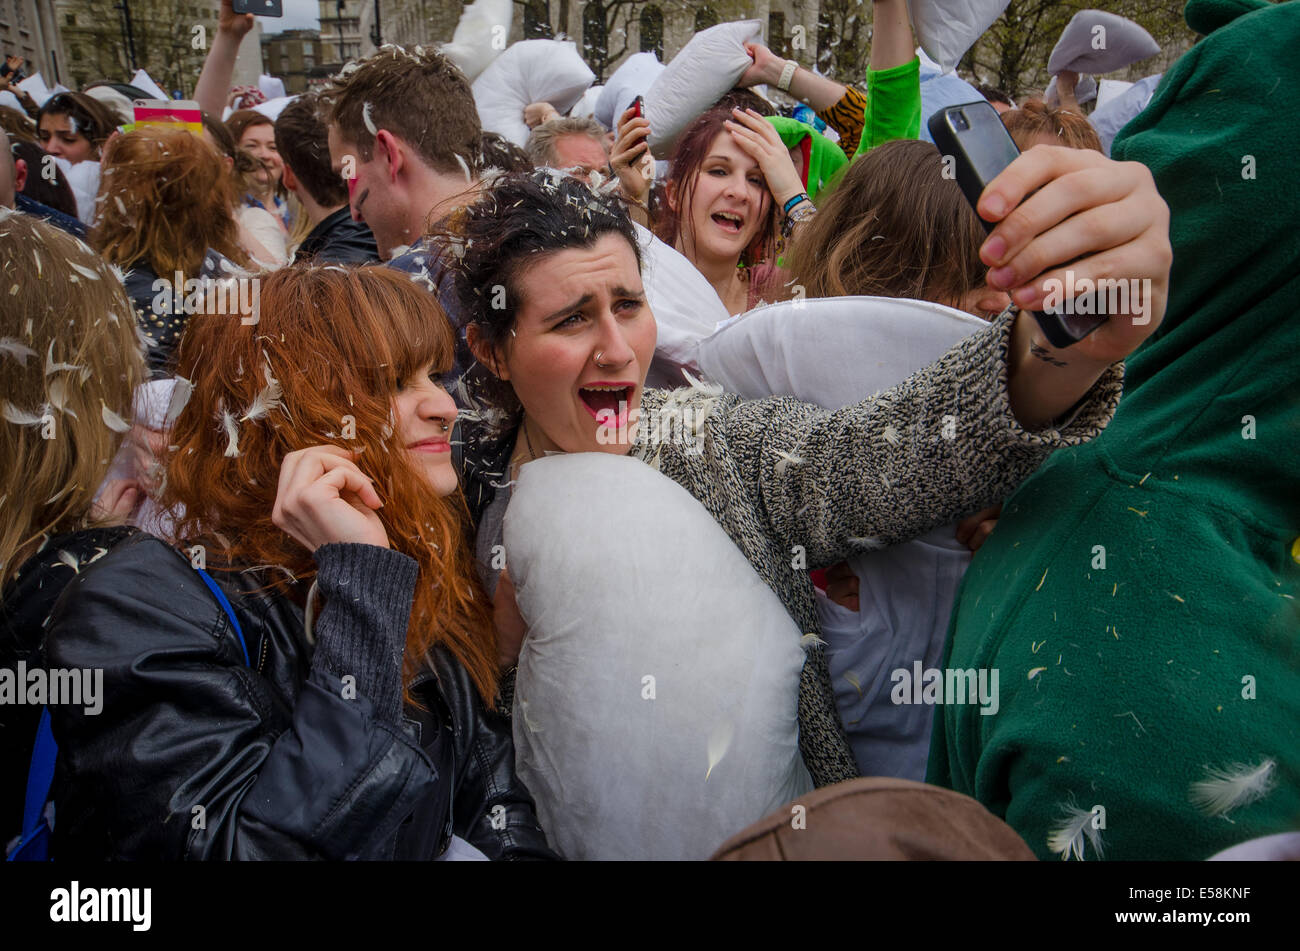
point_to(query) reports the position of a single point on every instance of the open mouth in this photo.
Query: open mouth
(729, 221)
(607, 402)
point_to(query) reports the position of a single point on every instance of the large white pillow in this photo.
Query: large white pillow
(656, 705)
(946, 29)
(1098, 42)
(634, 78)
(835, 352)
(472, 46)
(1108, 118)
(685, 306)
(529, 71)
(706, 68)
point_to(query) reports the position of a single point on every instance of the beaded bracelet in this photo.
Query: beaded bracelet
(793, 202)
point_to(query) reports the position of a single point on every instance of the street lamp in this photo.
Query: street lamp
(375, 36)
(128, 37)
(343, 58)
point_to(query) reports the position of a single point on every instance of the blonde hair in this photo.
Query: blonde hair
(70, 360)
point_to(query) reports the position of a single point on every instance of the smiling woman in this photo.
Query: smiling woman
(549, 282)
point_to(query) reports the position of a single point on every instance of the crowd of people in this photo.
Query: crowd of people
(270, 391)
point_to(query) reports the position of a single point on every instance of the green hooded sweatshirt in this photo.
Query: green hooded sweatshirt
(1139, 596)
(822, 158)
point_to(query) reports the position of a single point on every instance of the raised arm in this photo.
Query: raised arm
(214, 81)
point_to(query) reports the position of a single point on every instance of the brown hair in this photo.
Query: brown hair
(18, 126)
(338, 342)
(421, 97)
(70, 358)
(45, 183)
(164, 199)
(241, 120)
(1035, 118)
(541, 144)
(893, 226)
(300, 136)
(687, 160)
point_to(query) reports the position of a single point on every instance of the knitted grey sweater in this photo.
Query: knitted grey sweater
(778, 474)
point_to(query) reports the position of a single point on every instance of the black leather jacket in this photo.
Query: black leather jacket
(338, 240)
(197, 755)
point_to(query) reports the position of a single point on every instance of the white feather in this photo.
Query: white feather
(267, 400)
(463, 167)
(719, 743)
(21, 417)
(13, 347)
(52, 367)
(232, 434)
(84, 271)
(810, 640)
(58, 390)
(70, 561)
(1066, 838)
(1226, 789)
(112, 420)
(181, 394)
(365, 117)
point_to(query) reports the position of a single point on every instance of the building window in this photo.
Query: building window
(537, 20)
(308, 62)
(70, 19)
(705, 17)
(284, 64)
(777, 41)
(595, 43)
(652, 31)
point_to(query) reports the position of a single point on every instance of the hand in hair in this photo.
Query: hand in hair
(324, 498)
(626, 158)
(758, 139)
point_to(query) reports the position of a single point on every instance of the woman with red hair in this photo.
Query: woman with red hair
(333, 693)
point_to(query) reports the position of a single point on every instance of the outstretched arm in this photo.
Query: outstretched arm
(218, 69)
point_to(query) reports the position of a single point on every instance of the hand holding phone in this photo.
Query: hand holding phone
(263, 8)
(646, 164)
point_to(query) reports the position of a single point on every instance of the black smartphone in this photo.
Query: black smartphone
(980, 147)
(263, 8)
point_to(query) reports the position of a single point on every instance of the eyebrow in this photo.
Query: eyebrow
(586, 299)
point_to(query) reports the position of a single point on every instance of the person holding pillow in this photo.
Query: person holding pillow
(568, 339)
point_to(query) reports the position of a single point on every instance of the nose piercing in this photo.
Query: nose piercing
(599, 354)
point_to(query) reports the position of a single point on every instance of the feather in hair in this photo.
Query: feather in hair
(232, 433)
(265, 401)
(1067, 836)
(112, 420)
(52, 367)
(58, 391)
(21, 417)
(1226, 789)
(13, 347)
(181, 394)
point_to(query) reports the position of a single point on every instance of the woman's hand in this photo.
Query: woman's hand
(236, 24)
(117, 502)
(974, 530)
(1108, 221)
(511, 629)
(535, 113)
(148, 448)
(842, 586)
(758, 139)
(628, 155)
(323, 497)
(765, 70)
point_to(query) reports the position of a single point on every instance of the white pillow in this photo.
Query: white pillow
(471, 47)
(586, 106)
(1112, 116)
(946, 29)
(835, 352)
(270, 86)
(34, 86)
(529, 71)
(83, 178)
(1098, 42)
(634, 78)
(273, 107)
(685, 306)
(706, 68)
(656, 705)
(1108, 90)
(142, 80)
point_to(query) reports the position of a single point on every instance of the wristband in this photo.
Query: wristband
(787, 74)
(802, 196)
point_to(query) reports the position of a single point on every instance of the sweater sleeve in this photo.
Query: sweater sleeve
(846, 117)
(940, 445)
(893, 109)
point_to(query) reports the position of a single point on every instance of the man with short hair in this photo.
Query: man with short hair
(302, 141)
(571, 144)
(13, 176)
(404, 132)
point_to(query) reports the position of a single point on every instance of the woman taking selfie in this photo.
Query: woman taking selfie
(340, 705)
(572, 345)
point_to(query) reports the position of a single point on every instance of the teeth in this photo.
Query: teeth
(610, 389)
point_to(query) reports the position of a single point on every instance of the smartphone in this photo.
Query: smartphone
(980, 147)
(184, 113)
(646, 163)
(263, 8)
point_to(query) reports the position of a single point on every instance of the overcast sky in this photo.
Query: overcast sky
(298, 15)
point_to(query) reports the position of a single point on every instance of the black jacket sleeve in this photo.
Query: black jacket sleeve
(196, 755)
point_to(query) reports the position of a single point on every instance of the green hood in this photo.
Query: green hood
(1141, 594)
(822, 160)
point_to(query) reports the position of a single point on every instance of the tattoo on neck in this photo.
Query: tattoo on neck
(1042, 353)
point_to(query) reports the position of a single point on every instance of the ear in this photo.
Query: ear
(389, 148)
(984, 300)
(20, 174)
(484, 354)
(670, 193)
(287, 177)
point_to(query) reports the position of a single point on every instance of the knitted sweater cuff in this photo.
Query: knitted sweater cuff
(361, 633)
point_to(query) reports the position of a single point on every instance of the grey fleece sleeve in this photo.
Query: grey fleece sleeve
(361, 632)
(936, 447)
